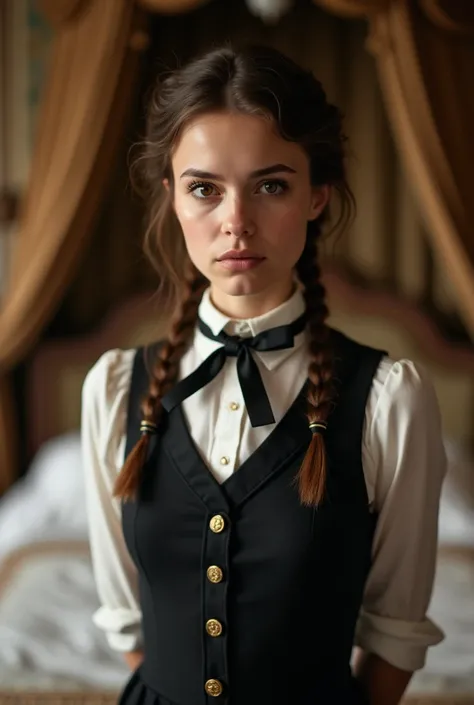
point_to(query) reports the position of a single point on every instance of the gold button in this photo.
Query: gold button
(217, 524)
(213, 627)
(234, 406)
(214, 574)
(213, 687)
(224, 460)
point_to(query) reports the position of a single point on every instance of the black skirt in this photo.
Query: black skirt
(136, 692)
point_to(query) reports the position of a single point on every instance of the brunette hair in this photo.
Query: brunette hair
(255, 81)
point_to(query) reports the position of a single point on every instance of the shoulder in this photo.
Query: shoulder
(403, 383)
(402, 380)
(109, 377)
(402, 411)
(403, 443)
(105, 394)
(106, 389)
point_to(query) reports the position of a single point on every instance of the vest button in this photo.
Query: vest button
(213, 627)
(213, 687)
(217, 524)
(214, 574)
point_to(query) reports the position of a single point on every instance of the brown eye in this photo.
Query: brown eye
(201, 189)
(274, 188)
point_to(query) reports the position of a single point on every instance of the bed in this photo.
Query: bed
(50, 652)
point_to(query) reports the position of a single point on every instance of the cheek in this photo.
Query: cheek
(287, 232)
(196, 225)
(194, 215)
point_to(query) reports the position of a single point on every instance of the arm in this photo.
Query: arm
(404, 460)
(384, 683)
(104, 407)
(134, 659)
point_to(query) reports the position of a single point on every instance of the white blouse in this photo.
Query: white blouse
(402, 455)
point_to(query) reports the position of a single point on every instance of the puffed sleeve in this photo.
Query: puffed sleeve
(404, 463)
(104, 408)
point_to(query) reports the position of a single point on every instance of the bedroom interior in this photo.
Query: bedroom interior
(73, 280)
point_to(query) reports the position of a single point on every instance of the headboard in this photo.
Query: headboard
(58, 368)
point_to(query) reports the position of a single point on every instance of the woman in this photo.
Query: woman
(279, 498)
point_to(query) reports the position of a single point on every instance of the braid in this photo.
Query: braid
(312, 474)
(162, 377)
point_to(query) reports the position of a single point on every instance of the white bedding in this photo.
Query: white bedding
(49, 502)
(48, 640)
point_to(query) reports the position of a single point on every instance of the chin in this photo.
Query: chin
(242, 286)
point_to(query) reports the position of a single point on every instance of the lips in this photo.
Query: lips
(240, 260)
(240, 255)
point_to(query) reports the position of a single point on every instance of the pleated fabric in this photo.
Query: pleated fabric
(136, 692)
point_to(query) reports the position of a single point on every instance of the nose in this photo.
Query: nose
(237, 220)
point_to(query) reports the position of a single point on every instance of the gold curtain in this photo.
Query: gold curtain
(424, 51)
(85, 103)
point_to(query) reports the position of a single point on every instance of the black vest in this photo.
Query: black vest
(244, 590)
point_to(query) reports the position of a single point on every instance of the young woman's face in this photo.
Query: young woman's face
(243, 197)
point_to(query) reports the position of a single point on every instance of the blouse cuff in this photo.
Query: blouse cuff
(122, 627)
(401, 643)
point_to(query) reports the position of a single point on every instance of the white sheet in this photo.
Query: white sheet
(49, 502)
(47, 639)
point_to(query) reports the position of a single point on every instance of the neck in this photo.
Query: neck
(251, 305)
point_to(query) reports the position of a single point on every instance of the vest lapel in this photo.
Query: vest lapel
(287, 440)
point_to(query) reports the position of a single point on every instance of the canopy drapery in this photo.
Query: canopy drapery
(424, 50)
(86, 100)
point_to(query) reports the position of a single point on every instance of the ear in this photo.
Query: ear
(166, 184)
(320, 197)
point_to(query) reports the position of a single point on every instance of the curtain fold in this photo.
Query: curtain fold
(60, 11)
(425, 72)
(424, 51)
(86, 101)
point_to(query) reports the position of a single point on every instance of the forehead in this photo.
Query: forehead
(228, 143)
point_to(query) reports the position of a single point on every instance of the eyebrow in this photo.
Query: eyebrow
(266, 171)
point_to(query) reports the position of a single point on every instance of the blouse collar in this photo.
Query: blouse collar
(282, 315)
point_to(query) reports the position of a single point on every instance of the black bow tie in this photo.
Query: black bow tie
(255, 396)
